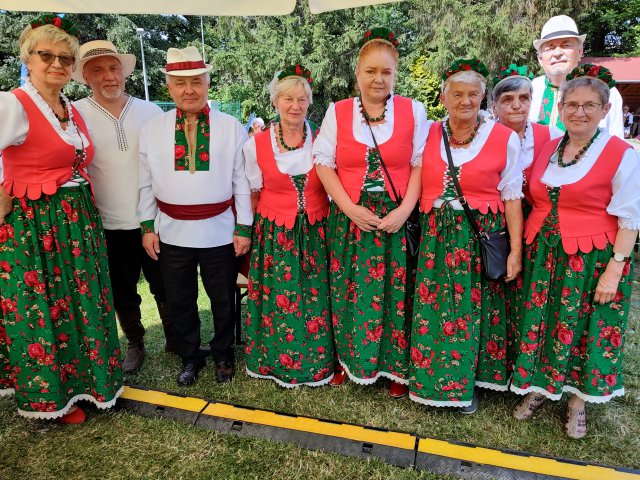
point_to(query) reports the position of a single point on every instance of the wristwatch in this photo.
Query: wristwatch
(619, 257)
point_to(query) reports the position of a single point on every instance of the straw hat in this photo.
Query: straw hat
(102, 48)
(560, 26)
(185, 62)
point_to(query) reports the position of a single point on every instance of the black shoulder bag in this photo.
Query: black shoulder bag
(494, 246)
(412, 228)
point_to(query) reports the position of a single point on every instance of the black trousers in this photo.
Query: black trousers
(127, 259)
(218, 270)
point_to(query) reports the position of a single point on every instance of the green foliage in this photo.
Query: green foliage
(423, 84)
(615, 30)
(246, 51)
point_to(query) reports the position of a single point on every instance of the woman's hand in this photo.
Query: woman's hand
(394, 220)
(6, 205)
(608, 284)
(364, 218)
(514, 265)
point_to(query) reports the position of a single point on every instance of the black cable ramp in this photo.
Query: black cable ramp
(401, 449)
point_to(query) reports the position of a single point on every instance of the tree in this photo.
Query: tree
(615, 30)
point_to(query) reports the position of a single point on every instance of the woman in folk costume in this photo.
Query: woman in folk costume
(58, 335)
(458, 336)
(511, 97)
(585, 192)
(288, 327)
(366, 239)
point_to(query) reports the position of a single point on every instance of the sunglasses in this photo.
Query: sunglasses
(49, 58)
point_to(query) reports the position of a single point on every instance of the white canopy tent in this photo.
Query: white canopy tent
(186, 7)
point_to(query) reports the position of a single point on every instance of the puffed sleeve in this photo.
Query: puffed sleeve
(420, 132)
(510, 185)
(254, 174)
(147, 205)
(324, 146)
(12, 113)
(625, 201)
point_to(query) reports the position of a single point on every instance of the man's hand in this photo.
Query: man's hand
(241, 245)
(151, 244)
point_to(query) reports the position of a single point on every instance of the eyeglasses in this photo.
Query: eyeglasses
(588, 108)
(49, 58)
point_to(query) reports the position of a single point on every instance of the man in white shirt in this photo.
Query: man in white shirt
(559, 49)
(114, 120)
(191, 173)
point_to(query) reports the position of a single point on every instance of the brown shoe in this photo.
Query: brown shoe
(133, 360)
(576, 426)
(224, 371)
(528, 406)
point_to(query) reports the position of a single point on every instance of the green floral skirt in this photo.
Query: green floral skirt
(564, 342)
(288, 326)
(458, 335)
(58, 334)
(368, 275)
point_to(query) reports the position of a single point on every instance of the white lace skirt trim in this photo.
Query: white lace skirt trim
(438, 403)
(571, 390)
(70, 403)
(6, 391)
(288, 385)
(493, 386)
(371, 381)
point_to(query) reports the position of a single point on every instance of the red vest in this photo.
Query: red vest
(44, 161)
(479, 178)
(278, 198)
(396, 152)
(541, 135)
(582, 206)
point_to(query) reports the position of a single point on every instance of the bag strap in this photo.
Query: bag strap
(463, 201)
(384, 167)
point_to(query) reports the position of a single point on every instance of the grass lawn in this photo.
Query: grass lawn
(116, 445)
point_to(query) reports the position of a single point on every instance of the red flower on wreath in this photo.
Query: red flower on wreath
(57, 21)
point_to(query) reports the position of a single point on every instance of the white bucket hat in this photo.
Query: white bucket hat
(102, 48)
(185, 62)
(560, 26)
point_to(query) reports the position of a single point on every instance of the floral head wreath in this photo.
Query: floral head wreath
(465, 64)
(296, 70)
(379, 33)
(512, 70)
(56, 21)
(595, 71)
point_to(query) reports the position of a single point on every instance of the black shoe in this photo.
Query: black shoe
(189, 374)
(470, 409)
(205, 350)
(224, 371)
